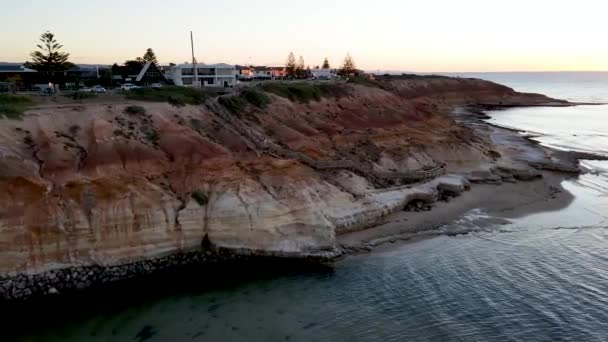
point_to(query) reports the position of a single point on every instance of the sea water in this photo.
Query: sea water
(543, 277)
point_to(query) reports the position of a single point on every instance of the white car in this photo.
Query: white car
(85, 90)
(98, 89)
(156, 85)
(128, 86)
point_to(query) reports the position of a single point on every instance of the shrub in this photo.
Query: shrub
(364, 81)
(177, 96)
(79, 95)
(196, 124)
(135, 110)
(177, 101)
(303, 91)
(200, 198)
(151, 135)
(256, 98)
(13, 106)
(234, 104)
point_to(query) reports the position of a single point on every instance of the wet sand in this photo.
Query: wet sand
(500, 202)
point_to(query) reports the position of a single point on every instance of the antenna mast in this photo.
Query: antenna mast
(195, 82)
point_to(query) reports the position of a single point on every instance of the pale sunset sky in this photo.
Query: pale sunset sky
(420, 35)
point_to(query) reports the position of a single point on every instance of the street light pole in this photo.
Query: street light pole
(195, 83)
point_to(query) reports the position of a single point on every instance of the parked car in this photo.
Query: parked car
(98, 89)
(156, 85)
(85, 90)
(48, 91)
(128, 86)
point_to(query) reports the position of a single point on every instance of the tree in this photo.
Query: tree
(138, 62)
(290, 66)
(300, 68)
(348, 68)
(326, 64)
(50, 59)
(150, 56)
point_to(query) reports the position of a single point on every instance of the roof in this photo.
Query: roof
(145, 69)
(88, 67)
(202, 65)
(14, 68)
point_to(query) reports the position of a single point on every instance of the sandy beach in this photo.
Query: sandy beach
(493, 201)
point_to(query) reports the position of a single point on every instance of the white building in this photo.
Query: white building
(209, 75)
(324, 74)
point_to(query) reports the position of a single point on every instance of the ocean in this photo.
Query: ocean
(543, 277)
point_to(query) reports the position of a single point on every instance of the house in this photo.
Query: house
(259, 73)
(88, 75)
(18, 75)
(218, 75)
(262, 73)
(324, 74)
(278, 72)
(137, 73)
(244, 73)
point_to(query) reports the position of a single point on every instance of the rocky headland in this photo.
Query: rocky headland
(94, 191)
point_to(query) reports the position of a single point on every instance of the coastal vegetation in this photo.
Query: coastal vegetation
(13, 106)
(304, 92)
(79, 95)
(364, 81)
(237, 103)
(177, 96)
(135, 110)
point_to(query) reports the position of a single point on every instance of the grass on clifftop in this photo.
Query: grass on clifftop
(364, 81)
(79, 95)
(237, 103)
(13, 106)
(304, 91)
(177, 96)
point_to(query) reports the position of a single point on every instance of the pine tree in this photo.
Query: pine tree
(348, 68)
(326, 64)
(50, 59)
(290, 66)
(308, 72)
(300, 72)
(150, 56)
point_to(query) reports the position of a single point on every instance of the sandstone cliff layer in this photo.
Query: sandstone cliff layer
(102, 184)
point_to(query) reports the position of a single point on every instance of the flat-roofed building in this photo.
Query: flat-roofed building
(209, 75)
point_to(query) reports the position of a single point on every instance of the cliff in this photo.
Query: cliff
(105, 184)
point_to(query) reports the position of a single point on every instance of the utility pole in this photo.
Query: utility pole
(195, 82)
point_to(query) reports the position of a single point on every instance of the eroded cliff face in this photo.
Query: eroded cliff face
(99, 184)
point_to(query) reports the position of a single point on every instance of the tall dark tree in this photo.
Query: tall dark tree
(49, 59)
(326, 64)
(150, 56)
(134, 63)
(290, 66)
(348, 67)
(300, 68)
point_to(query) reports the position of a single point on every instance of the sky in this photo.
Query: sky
(397, 35)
